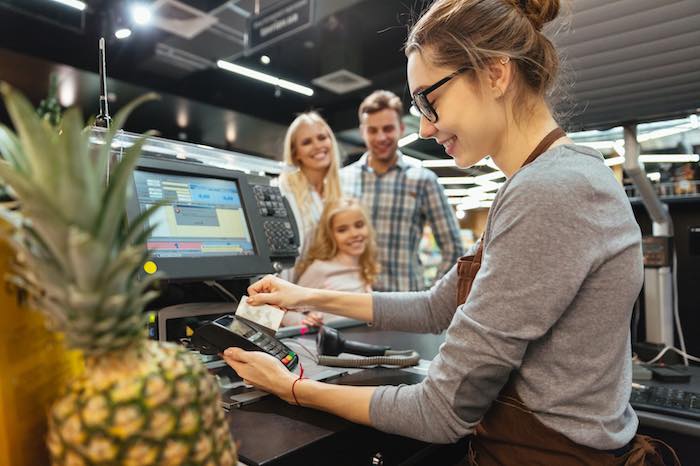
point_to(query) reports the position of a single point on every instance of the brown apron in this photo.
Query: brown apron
(511, 434)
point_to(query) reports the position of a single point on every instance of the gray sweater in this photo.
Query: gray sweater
(562, 267)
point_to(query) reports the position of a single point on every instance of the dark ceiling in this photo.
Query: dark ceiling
(630, 60)
(365, 37)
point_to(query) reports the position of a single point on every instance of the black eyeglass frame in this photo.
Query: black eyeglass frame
(420, 98)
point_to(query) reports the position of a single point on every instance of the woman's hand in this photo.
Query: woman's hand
(262, 371)
(313, 319)
(273, 290)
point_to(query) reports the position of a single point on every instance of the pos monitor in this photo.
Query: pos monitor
(208, 226)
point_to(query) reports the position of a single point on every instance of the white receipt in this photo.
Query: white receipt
(265, 314)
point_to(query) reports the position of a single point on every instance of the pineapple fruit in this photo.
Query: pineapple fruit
(138, 402)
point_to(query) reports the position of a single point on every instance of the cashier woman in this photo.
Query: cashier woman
(536, 363)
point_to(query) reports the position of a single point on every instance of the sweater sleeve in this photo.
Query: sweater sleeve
(427, 311)
(539, 251)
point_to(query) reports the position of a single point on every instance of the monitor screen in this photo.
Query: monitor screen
(209, 225)
(202, 217)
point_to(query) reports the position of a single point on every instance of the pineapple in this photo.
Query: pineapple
(138, 402)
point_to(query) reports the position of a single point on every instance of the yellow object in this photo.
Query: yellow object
(150, 267)
(34, 366)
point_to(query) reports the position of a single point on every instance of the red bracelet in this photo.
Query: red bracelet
(301, 376)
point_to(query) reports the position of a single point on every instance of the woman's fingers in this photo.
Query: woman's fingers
(237, 354)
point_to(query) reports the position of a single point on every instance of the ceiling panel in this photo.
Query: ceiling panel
(630, 60)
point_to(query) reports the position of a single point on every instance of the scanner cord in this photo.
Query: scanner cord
(391, 358)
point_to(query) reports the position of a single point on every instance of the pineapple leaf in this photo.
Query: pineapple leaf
(79, 193)
(11, 149)
(114, 200)
(35, 135)
(136, 228)
(22, 186)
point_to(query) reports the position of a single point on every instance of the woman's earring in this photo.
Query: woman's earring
(504, 60)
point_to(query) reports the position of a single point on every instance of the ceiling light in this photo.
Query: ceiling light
(437, 163)
(67, 90)
(414, 111)
(612, 161)
(266, 78)
(656, 158)
(78, 5)
(456, 180)
(460, 214)
(654, 176)
(663, 132)
(470, 203)
(408, 139)
(122, 33)
(141, 14)
(668, 158)
(456, 192)
(483, 179)
(454, 200)
(264, 59)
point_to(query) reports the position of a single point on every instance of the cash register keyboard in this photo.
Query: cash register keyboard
(665, 400)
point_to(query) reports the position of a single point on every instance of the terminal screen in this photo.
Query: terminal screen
(202, 217)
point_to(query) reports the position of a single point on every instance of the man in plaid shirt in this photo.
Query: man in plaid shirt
(401, 198)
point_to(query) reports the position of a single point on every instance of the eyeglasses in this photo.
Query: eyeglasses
(420, 98)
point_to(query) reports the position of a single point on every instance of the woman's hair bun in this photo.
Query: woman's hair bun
(539, 12)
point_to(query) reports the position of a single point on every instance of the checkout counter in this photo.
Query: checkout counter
(203, 260)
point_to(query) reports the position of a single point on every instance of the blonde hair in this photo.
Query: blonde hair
(324, 246)
(296, 181)
(471, 33)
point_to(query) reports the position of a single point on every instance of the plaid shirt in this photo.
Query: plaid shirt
(400, 202)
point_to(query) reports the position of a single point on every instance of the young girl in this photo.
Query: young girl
(341, 256)
(536, 362)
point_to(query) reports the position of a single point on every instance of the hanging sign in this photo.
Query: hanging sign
(285, 19)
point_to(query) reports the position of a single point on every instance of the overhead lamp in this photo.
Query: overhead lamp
(470, 203)
(141, 14)
(460, 214)
(456, 192)
(438, 163)
(669, 158)
(264, 77)
(482, 179)
(656, 158)
(654, 176)
(78, 5)
(456, 180)
(264, 59)
(663, 132)
(122, 33)
(612, 161)
(408, 139)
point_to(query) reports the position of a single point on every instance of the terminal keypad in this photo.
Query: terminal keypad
(276, 220)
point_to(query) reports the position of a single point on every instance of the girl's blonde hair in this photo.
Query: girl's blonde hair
(295, 180)
(324, 246)
(470, 33)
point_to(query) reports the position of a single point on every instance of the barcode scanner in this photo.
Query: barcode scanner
(330, 343)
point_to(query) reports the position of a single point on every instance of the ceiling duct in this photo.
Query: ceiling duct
(341, 81)
(180, 19)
